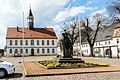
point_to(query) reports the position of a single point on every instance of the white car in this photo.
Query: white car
(6, 68)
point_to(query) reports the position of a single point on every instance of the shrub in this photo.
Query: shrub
(57, 64)
(50, 65)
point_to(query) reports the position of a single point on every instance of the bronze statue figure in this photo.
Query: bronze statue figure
(66, 45)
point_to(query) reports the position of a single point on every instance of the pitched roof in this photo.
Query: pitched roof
(103, 34)
(30, 13)
(36, 33)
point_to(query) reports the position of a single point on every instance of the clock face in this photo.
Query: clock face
(30, 20)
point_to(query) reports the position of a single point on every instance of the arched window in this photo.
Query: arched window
(16, 42)
(10, 42)
(26, 50)
(43, 50)
(10, 50)
(42, 42)
(53, 50)
(26, 42)
(21, 42)
(47, 42)
(38, 50)
(32, 42)
(48, 50)
(52, 42)
(21, 50)
(16, 51)
(37, 42)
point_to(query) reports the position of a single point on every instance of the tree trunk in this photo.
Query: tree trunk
(91, 52)
(71, 50)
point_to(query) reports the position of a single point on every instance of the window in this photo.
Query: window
(37, 42)
(96, 44)
(53, 50)
(109, 42)
(86, 45)
(118, 50)
(52, 42)
(16, 42)
(99, 44)
(47, 42)
(21, 50)
(26, 42)
(38, 50)
(32, 42)
(10, 50)
(42, 42)
(21, 42)
(10, 42)
(43, 50)
(105, 43)
(117, 40)
(48, 50)
(16, 51)
(26, 50)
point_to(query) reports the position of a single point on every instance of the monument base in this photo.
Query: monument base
(70, 60)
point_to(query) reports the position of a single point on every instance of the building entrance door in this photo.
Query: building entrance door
(32, 51)
(109, 53)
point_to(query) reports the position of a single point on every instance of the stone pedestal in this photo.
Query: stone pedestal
(70, 60)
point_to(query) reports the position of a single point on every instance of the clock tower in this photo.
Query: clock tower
(30, 19)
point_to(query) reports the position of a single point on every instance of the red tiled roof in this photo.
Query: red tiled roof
(36, 33)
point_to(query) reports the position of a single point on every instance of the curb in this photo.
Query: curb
(34, 75)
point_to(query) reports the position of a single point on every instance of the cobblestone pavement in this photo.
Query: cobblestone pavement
(89, 76)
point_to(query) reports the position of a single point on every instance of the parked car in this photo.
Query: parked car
(6, 68)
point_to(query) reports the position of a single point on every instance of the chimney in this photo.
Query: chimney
(17, 28)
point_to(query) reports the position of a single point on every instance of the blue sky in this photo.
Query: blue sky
(47, 13)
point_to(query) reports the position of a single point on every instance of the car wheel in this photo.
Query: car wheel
(3, 73)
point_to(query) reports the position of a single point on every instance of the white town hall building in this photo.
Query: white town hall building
(30, 40)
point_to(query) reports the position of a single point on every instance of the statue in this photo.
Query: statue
(66, 45)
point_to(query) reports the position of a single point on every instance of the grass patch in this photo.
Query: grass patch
(57, 65)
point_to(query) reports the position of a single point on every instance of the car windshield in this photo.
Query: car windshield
(1, 61)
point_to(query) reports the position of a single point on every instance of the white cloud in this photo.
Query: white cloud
(62, 15)
(12, 13)
(102, 11)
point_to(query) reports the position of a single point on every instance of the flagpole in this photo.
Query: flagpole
(80, 38)
(23, 37)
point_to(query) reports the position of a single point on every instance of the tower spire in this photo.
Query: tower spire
(30, 19)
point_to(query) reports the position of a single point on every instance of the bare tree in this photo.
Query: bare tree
(114, 11)
(92, 27)
(72, 28)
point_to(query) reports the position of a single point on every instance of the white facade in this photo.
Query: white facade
(101, 47)
(39, 48)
